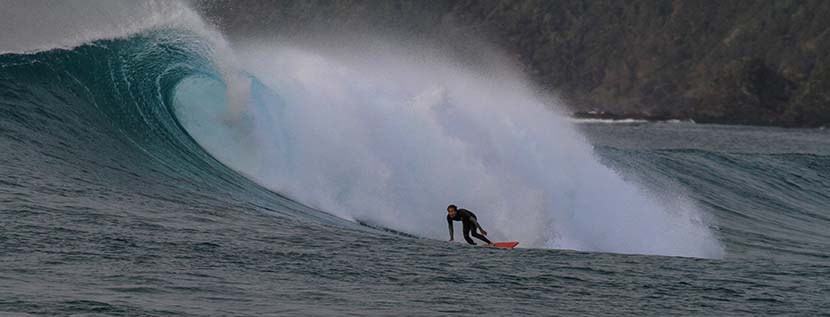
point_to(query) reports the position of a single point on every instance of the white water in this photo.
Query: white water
(391, 137)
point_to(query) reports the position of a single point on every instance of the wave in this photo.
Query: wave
(765, 203)
(105, 110)
(387, 138)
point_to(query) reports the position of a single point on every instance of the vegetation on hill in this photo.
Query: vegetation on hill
(739, 62)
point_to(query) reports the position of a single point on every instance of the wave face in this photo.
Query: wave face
(103, 114)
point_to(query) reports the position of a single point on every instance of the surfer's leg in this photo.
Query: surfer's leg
(479, 236)
(467, 228)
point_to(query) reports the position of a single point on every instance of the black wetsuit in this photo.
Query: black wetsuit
(470, 222)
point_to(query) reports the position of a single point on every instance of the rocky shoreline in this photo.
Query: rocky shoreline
(601, 115)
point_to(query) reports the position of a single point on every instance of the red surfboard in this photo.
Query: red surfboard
(505, 245)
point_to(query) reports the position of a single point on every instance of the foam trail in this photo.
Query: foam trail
(391, 138)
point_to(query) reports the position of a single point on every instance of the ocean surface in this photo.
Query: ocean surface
(160, 171)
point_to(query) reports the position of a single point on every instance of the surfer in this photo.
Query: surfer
(469, 221)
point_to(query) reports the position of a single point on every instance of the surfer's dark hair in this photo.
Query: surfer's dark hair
(452, 207)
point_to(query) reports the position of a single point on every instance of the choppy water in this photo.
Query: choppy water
(128, 188)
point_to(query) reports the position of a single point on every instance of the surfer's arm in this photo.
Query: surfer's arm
(449, 224)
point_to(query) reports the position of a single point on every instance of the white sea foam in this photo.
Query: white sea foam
(390, 137)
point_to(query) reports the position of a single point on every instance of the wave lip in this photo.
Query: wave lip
(39, 25)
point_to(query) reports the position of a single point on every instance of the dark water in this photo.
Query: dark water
(108, 207)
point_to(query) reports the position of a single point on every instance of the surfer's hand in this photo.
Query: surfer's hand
(483, 232)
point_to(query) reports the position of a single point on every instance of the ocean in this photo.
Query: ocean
(159, 169)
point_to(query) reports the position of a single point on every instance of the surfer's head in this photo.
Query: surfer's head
(451, 209)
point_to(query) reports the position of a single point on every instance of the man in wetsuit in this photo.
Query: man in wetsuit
(469, 221)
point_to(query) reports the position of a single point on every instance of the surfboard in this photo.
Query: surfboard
(505, 245)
